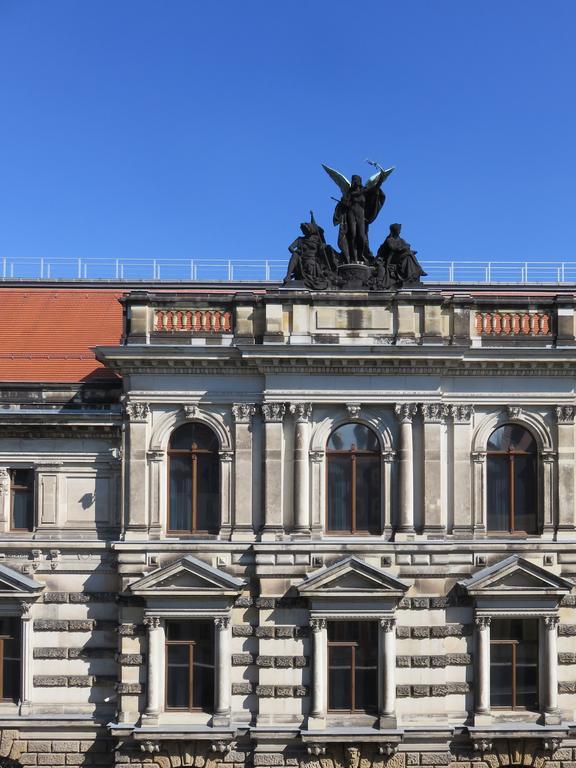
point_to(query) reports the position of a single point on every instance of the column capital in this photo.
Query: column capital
(226, 456)
(551, 622)
(479, 457)
(152, 622)
(405, 412)
(302, 411)
(388, 456)
(317, 624)
(155, 455)
(4, 481)
(243, 412)
(316, 456)
(273, 412)
(565, 414)
(388, 624)
(434, 413)
(136, 411)
(26, 610)
(221, 623)
(461, 412)
(482, 622)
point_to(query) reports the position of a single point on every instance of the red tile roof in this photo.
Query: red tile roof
(46, 335)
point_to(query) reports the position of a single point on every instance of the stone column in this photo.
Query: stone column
(405, 412)
(26, 677)
(273, 470)
(243, 527)
(434, 415)
(548, 461)
(135, 518)
(4, 499)
(551, 668)
(157, 478)
(388, 667)
(155, 665)
(317, 716)
(302, 413)
(223, 665)
(478, 505)
(482, 665)
(566, 461)
(462, 478)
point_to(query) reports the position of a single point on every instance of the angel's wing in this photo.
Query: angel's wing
(373, 179)
(337, 177)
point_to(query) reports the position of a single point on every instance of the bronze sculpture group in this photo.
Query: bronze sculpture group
(316, 265)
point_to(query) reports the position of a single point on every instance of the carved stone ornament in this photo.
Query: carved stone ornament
(243, 412)
(513, 411)
(26, 609)
(152, 622)
(551, 622)
(222, 747)
(388, 624)
(317, 624)
(316, 456)
(353, 410)
(388, 748)
(191, 411)
(434, 413)
(352, 756)
(482, 621)
(388, 456)
(565, 414)
(461, 413)
(478, 457)
(222, 622)
(316, 749)
(226, 456)
(301, 411)
(273, 412)
(151, 747)
(137, 411)
(405, 412)
(482, 745)
(4, 481)
(552, 745)
(155, 455)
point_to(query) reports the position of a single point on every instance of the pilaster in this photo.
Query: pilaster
(482, 679)
(317, 716)
(434, 415)
(273, 414)
(154, 669)
(302, 413)
(405, 413)
(566, 477)
(243, 527)
(387, 688)
(462, 475)
(137, 414)
(223, 671)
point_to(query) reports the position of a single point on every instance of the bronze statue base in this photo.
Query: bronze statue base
(354, 277)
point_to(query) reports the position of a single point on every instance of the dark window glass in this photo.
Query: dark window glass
(512, 480)
(194, 482)
(22, 493)
(354, 490)
(514, 663)
(190, 665)
(10, 659)
(352, 665)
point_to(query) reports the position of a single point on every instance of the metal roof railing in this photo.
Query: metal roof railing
(267, 270)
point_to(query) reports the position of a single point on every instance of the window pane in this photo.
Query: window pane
(342, 631)
(525, 494)
(22, 510)
(501, 675)
(353, 435)
(178, 676)
(368, 494)
(527, 675)
(511, 437)
(11, 680)
(196, 434)
(208, 496)
(339, 677)
(367, 666)
(339, 493)
(203, 679)
(180, 493)
(498, 493)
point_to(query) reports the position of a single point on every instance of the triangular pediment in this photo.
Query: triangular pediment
(14, 584)
(351, 577)
(516, 576)
(187, 577)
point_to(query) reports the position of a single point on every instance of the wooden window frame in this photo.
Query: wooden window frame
(514, 644)
(194, 452)
(510, 454)
(4, 637)
(191, 708)
(14, 489)
(354, 454)
(353, 645)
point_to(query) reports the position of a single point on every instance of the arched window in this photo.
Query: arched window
(512, 480)
(194, 480)
(353, 480)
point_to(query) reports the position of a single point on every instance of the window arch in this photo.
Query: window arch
(512, 480)
(194, 480)
(354, 480)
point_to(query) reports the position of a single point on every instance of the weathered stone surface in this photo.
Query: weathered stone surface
(266, 602)
(402, 632)
(65, 746)
(265, 631)
(420, 603)
(438, 690)
(284, 632)
(300, 691)
(55, 597)
(567, 687)
(418, 691)
(244, 601)
(268, 758)
(242, 630)
(50, 681)
(265, 661)
(130, 630)
(128, 688)
(300, 662)
(434, 758)
(130, 659)
(567, 630)
(403, 661)
(402, 691)
(80, 681)
(567, 658)
(451, 630)
(420, 632)
(439, 602)
(50, 625)
(458, 659)
(283, 662)
(420, 661)
(50, 653)
(50, 759)
(93, 597)
(283, 691)
(81, 625)
(242, 689)
(242, 659)
(39, 746)
(266, 691)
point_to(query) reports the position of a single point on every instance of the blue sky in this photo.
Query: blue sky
(176, 128)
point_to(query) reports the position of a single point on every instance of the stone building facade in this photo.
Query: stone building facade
(258, 526)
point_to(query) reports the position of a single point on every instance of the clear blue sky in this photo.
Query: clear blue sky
(180, 128)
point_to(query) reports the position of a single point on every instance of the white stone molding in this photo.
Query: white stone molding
(165, 423)
(223, 670)
(136, 410)
(243, 412)
(565, 414)
(530, 421)
(155, 666)
(4, 499)
(460, 475)
(434, 477)
(301, 411)
(353, 410)
(461, 413)
(317, 717)
(387, 664)
(482, 624)
(405, 413)
(273, 412)
(26, 644)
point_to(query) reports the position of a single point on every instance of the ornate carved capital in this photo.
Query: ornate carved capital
(482, 621)
(388, 456)
(302, 411)
(190, 411)
(461, 412)
(136, 411)
(405, 412)
(155, 455)
(551, 622)
(388, 624)
(434, 413)
(273, 412)
(243, 412)
(482, 745)
(316, 456)
(152, 622)
(317, 624)
(222, 622)
(353, 409)
(565, 414)
(26, 609)
(513, 411)
(226, 456)
(478, 457)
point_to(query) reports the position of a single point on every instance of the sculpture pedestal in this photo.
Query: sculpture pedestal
(354, 276)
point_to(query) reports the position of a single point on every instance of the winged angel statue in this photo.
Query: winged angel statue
(356, 210)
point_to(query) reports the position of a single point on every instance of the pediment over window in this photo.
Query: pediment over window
(351, 578)
(516, 577)
(14, 585)
(188, 577)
